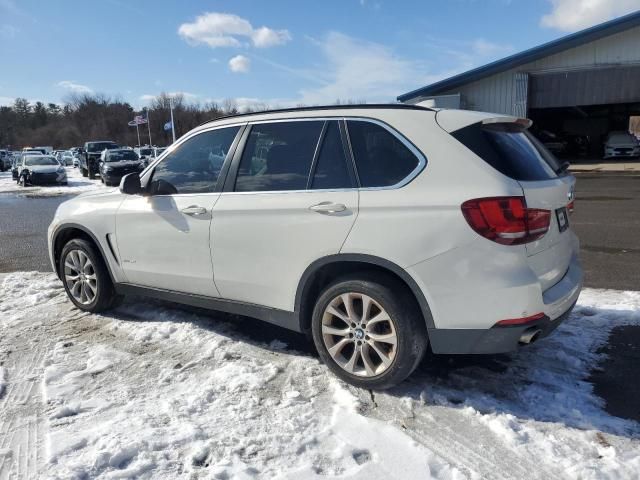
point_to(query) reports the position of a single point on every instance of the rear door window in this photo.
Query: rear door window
(510, 149)
(382, 160)
(278, 156)
(332, 167)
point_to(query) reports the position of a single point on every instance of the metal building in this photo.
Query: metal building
(585, 84)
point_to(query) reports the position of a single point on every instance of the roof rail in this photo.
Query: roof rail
(377, 106)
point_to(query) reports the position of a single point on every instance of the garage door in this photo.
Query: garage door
(585, 87)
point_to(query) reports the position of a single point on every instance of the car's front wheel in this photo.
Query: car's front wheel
(85, 277)
(369, 331)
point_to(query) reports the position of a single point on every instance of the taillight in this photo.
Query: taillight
(571, 206)
(506, 220)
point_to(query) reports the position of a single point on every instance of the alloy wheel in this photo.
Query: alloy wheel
(80, 277)
(359, 334)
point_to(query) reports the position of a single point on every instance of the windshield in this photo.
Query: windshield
(121, 155)
(621, 137)
(40, 161)
(145, 151)
(98, 147)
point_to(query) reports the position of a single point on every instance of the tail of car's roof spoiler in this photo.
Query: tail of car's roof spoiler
(452, 120)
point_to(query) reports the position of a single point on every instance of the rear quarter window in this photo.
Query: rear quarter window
(510, 149)
(382, 160)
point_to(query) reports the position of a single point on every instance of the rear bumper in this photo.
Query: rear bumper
(557, 303)
(491, 341)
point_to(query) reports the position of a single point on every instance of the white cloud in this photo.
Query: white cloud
(227, 30)
(8, 31)
(74, 87)
(264, 37)
(190, 97)
(572, 15)
(485, 48)
(239, 64)
(6, 101)
(360, 70)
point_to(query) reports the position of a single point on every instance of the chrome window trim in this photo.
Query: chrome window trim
(422, 159)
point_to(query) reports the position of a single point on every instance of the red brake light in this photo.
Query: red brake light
(506, 220)
(571, 206)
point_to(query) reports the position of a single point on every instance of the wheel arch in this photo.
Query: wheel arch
(69, 231)
(322, 271)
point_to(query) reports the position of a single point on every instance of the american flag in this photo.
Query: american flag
(140, 119)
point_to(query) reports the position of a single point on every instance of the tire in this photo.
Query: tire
(91, 174)
(99, 293)
(404, 321)
(21, 181)
(84, 172)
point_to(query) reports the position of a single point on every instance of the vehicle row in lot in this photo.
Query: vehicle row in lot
(377, 230)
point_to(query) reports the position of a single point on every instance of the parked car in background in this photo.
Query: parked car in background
(41, 170)
(621, 144)
(378, 229)
(47, 150)
(38, 150)
(17, 161)
(145, 153)
(91, 156)
(117, 163)
(4, 160)
(552, 142)
(67, 158)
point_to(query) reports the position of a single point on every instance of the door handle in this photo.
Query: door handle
(328, 207)
(194, 210)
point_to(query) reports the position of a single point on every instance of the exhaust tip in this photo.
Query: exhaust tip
(530, 336)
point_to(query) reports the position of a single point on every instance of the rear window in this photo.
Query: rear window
(99, 147)
(510, 149)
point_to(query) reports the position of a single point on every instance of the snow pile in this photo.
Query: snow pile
(76, 184)
(158, 391)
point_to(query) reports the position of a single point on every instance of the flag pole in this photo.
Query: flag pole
(173, 127)
(138, 130)
(149, 127)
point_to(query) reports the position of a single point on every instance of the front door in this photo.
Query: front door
(163, 236)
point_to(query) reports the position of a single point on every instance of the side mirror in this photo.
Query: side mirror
(130, 184)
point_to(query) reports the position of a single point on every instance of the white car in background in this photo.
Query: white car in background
(621, 144)
(376, 229)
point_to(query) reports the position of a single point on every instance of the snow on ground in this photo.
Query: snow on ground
(76, 184)
(154, 390)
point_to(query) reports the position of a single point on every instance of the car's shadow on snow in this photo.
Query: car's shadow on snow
(547, 381)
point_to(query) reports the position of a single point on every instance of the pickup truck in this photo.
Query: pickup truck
(90, 157)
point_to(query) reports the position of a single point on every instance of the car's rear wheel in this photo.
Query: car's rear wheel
(85, 277)
(84, 172)
(369, 332)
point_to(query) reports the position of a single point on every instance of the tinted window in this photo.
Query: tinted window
(331, 169)
(511, 150)
(194, 167)
(381, 159)
(278, 156)
(40, 161)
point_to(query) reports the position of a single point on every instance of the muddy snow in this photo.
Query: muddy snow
(153, 390)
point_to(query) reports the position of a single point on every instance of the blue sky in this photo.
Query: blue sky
(280, 52)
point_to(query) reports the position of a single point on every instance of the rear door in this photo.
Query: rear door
(291, 199)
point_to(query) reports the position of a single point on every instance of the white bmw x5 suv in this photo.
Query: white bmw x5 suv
(377, 229)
